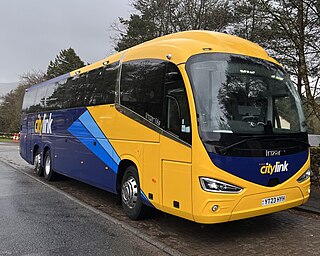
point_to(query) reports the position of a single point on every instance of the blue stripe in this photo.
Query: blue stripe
(99, 151)
(78, 130)
(248, 168)
(87, 132)
(94, 129)
(107, 146)
(91, 125)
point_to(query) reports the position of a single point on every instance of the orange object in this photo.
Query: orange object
(16, 137)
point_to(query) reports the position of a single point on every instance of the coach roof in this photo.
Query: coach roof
(180, 46)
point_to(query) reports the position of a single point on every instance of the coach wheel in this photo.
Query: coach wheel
(38, 169)
(130, 194)
(49, 174)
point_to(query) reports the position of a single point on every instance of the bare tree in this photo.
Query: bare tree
(290, 32)
(10, 108)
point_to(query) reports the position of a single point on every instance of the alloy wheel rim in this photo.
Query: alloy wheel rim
(37, 161)
(47, 166)
(130, 192)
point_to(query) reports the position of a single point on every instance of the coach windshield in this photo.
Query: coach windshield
(242, 95)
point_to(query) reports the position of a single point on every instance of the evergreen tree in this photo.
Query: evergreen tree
(66, 61)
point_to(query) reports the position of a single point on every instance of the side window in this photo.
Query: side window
(142, 88)
(101, 85)
(78, 93)
(28, 99)
(37, 99)
(39, 102)
(95, 81)
(109, 82)
(177, 119)
(92, 88)
(87, 89)
(55, 95)
(74, 91)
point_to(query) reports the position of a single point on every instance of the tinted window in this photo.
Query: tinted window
(76, 91)
(142, 88)
(28, 100)
(109, 83)
(177, 118)
(95, 93)
(101, 86)
(40, 97)
(91, 88)
(55, 95)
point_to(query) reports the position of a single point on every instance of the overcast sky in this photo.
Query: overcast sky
(32, 32)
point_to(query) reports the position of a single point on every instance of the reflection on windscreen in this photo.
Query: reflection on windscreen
(237, 94)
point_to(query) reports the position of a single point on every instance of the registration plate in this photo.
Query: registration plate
(273, 200)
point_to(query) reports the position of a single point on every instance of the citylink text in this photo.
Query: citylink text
(43, 125)
(278, 167)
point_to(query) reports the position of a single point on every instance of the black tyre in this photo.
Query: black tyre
(130, 195)
(48, 172)
(37, 168)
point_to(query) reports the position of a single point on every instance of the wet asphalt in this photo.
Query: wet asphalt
(37, 220)
(67, 217)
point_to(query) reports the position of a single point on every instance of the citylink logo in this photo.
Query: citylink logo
(43, 125)
(270, 169)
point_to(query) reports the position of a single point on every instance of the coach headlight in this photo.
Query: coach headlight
(304, 176)
(212, 185)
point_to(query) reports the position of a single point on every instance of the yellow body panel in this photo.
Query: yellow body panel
(169, 171)
(254, 202)
(152, 178)
(176, 184)
(117, 126)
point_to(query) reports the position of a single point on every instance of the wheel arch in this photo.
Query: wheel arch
(36, 147)
(123, 165)
(45, 150)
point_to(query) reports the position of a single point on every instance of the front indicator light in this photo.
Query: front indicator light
(304, 176)
(212, 185)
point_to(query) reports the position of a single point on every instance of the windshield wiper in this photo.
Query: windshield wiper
(225, 150)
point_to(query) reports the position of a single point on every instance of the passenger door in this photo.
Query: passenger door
(175, 147)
